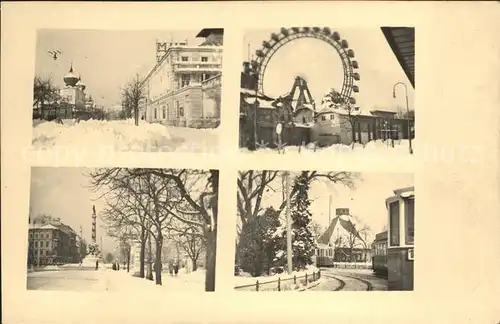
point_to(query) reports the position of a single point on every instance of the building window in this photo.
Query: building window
(331, 117)
(184, 80)
(47, 244)
(164, 112)
(410, 220)
(323, 117)
(394, 223)
(181, 112)
(155, 114)
(204, 59)
(184, 58)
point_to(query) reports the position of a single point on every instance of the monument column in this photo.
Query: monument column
(94, 234)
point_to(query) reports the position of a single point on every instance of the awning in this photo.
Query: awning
(402, 42)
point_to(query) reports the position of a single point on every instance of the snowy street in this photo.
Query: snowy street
(333, 279)
(109, 280)
(69, 280)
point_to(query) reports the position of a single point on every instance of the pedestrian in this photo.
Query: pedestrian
(171, 268)
(96, 264)
(176, 268)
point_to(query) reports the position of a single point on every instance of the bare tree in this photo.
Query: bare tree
(333, 99)
(126, 250)
(122, 208)
(132, 95)
(253, 184)
(44, 93)
(318, 230)
(191, 240)
(403, 113)
(170, 196)
(355, 237)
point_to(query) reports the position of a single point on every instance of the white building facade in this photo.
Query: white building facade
(183, 88)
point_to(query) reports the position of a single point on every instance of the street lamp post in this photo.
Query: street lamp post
(407, 110)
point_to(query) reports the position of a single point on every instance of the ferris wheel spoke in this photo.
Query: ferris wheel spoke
(333, 38)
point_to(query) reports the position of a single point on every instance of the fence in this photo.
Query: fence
(207, 122)
(352, 265)
(281, 284)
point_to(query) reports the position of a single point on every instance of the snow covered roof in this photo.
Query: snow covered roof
(247, 91)
(42, 226)
(262, 102)
(405, 192)
(345, 223)
(307, 125)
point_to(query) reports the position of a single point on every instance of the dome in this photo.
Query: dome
(70, 79)
(81, 85)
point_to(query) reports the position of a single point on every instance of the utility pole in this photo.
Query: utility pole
(329, 209)
(288, 225)
(330, 214)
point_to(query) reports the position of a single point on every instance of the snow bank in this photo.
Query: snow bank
(372, 148)
(122, 135)
(120, 281)
(269, 283)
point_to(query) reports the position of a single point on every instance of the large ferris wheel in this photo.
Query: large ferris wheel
(287, 35)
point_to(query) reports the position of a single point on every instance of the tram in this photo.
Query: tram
(400, 239)
(379, 254)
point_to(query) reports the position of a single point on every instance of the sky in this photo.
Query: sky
(106, 59)
(320, 65)
(62, 193)
(366, 201)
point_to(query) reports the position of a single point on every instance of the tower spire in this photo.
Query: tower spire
(71, 67)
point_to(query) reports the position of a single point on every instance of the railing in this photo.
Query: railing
(198, 66)
(281, 284)
(352, 265)
(207, 122)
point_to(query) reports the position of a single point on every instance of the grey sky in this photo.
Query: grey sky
(321, 66)
(106, 59)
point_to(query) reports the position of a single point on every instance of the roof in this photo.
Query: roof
(42, 226)
(402, 42)
(381, 236)
(407, 192)
(382, 111)
(346, 224)
(207, 31)
(402, 191)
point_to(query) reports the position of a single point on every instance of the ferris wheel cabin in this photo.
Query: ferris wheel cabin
(401, 234)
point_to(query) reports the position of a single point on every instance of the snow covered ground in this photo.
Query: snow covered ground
(371, 149)
(123, 135)
(121, 281)
(269, 283)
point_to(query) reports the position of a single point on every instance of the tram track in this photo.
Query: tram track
(342, 283)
